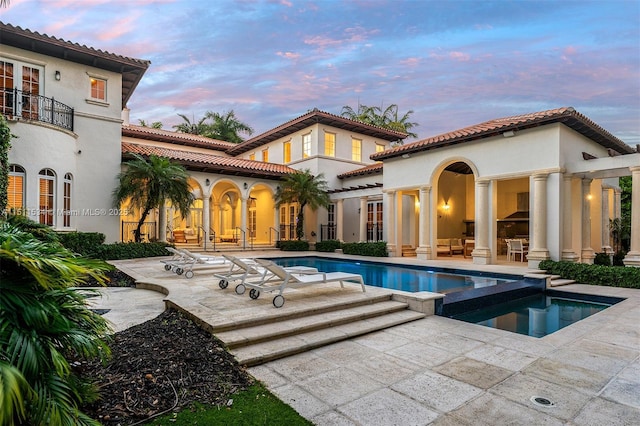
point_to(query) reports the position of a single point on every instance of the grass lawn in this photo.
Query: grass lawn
(255, 406)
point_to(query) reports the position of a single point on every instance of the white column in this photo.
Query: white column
(340, 220)
(606, 233)
(216, 217)
(276, 223)
(617, 203)
(391, 222)
(162, 222)
(567, 218)
(587, 253)
(482, 253)
(206, 217)
(538, 250)
(633, 256)
(424, 247)
(363, 219)
(243, 218)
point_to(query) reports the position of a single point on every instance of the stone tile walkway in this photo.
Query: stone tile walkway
(436, 370)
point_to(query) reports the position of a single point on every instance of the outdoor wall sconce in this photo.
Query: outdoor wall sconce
(589, 197)
(58, 75)
(446, 207)
(207, 182)
(246, 185)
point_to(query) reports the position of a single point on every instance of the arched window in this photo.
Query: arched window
(66, 200)
(47, 188)
(15, 191)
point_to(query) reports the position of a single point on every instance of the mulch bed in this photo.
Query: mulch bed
(164, 364)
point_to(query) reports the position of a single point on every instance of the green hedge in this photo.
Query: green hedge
(378, 249)
(293, 245)
(328, 245)
(118, 251)
(614, 276)
(83, 243)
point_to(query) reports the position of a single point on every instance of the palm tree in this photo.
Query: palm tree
(199, 128)
(387, 119)
(306, 190)
(400, 124)
(147, 184)
(44, 323)
(154, 125)
(226, 127)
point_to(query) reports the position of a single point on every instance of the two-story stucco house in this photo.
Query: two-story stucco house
(64, 103)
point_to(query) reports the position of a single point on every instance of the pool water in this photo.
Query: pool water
(536, 316)
(405, 278)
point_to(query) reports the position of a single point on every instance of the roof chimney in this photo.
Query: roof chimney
(125, 116)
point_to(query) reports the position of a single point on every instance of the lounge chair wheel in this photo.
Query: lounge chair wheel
(189, 274)
(278, 301)
(223, 284)
(179, 271)
(240, 289)
(254, 294)
(167, 267)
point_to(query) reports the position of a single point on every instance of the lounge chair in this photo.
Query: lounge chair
(239, 271)
(282, 278)
(177, 258)
(190, 260)
(243, 269)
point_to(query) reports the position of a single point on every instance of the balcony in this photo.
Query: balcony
(18, 104)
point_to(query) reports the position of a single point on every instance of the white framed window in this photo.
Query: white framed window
(66, 200)
(356, 149)
(330, 144)
(98, 89)
(252, 156)
(265, 155)
(28, 79)
(306, 145)
(46, 196)
(15, 190)
(379, 148)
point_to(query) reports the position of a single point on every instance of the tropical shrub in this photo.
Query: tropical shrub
(83, 243)
(377, 249)
(602, 259)
(45, 323)
(132, 250)
(328, 245)
(293, 245)
(614, 276)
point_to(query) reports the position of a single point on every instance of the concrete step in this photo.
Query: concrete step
(281, 347)
(560, 282)
(327, 307)
(258, 333)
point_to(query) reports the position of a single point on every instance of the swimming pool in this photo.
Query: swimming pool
(537, 315)
(406, 278)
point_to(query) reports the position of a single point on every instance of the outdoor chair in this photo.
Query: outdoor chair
(517, 247)
(281, 278)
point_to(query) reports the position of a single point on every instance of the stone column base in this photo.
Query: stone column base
(481, 256)
(569, 256)
(632, 259)
(424, 253)
(587, 256)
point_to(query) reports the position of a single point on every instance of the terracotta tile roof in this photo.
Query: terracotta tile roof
(131, 69)
(371, 169)
(314, 117)
(567, 116)
(210, 163)
(176, 138)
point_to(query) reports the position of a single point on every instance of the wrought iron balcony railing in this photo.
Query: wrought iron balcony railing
(20, 104)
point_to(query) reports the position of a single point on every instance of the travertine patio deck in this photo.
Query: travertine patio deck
(434, 370)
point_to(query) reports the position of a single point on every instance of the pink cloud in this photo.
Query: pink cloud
(459, 56)
(410, 62)
(288, 55)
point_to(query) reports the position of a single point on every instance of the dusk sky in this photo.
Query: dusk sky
(454, 63)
